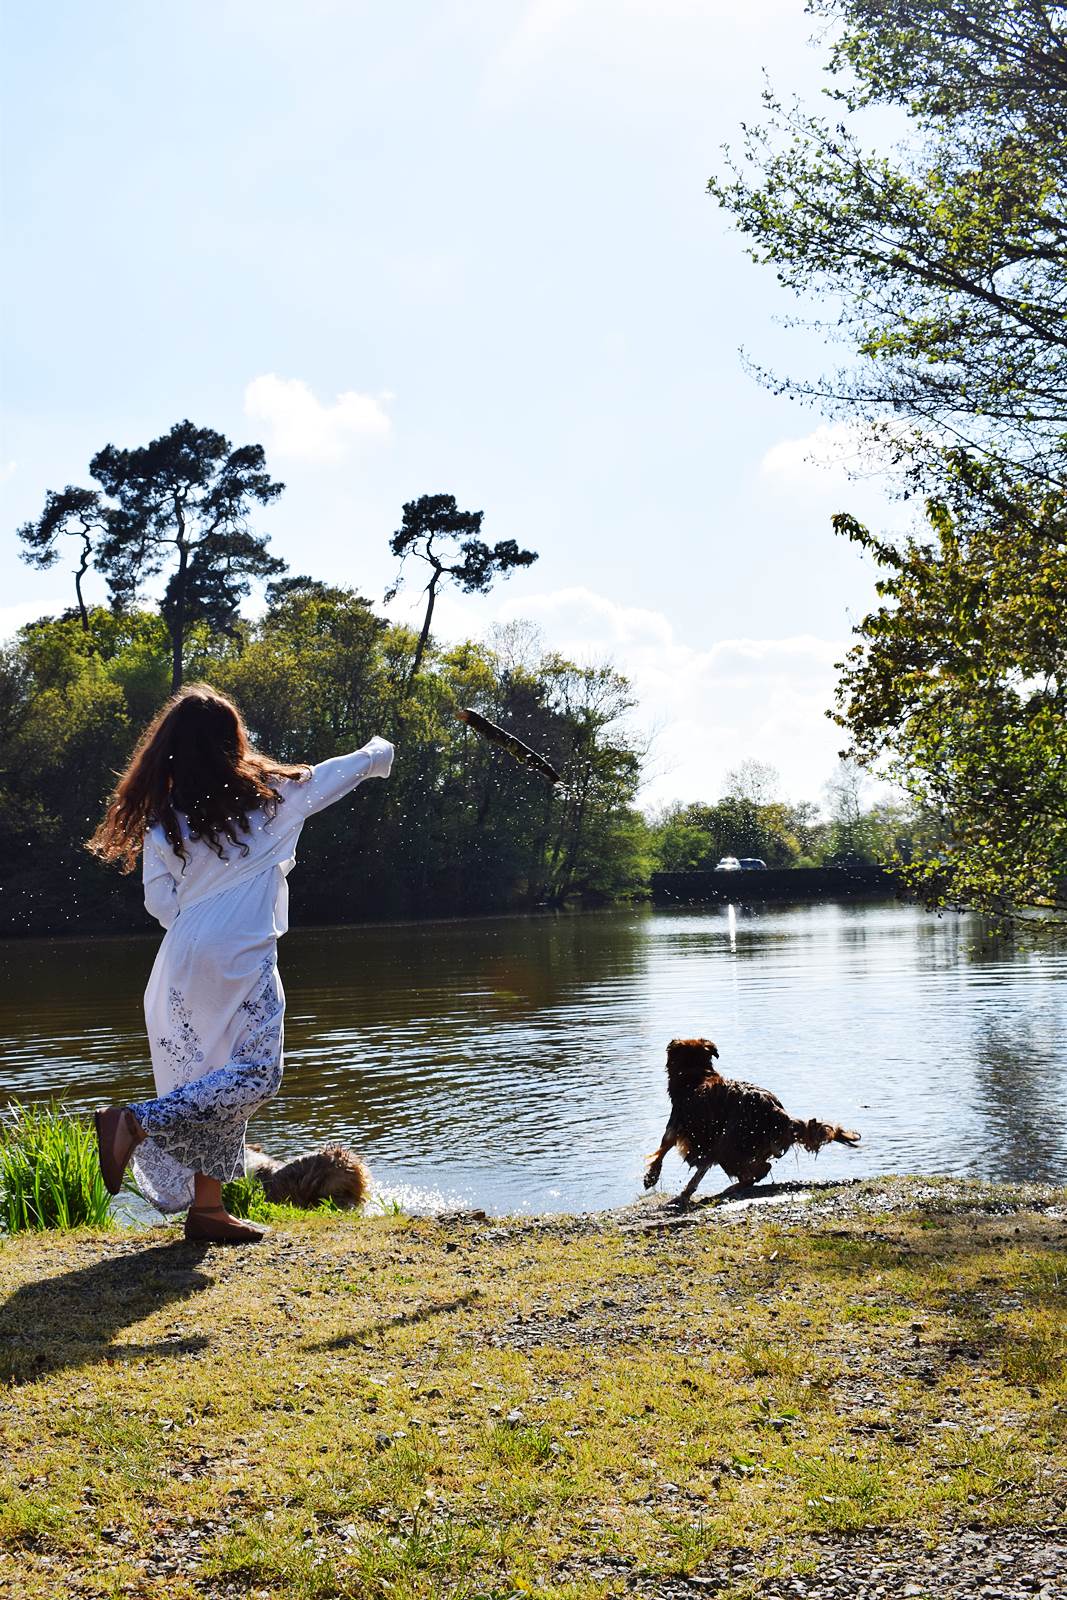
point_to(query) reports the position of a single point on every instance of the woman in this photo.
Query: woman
(216, 824)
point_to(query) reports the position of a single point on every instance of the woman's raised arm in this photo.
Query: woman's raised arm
(332, 780)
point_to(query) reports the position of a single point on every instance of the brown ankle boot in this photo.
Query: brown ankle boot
(214, 1225)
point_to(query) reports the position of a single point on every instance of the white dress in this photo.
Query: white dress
(214, 1003)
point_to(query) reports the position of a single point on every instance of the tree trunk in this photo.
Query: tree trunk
(420, 648)
(177, 631)
(564, 875)
(79, 574)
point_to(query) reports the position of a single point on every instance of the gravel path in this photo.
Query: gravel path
(1007, 1564)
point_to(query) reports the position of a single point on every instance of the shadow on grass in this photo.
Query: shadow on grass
(71, 1320)
(404, 1319)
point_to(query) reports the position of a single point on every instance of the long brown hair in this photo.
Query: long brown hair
(194, 757)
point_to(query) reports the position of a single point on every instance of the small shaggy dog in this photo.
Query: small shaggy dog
(720, 1122)
(332, 1173)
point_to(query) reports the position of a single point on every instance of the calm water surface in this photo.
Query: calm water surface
(517, 1063)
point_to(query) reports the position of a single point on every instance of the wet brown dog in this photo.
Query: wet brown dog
(721, 1122)
(332, 1173)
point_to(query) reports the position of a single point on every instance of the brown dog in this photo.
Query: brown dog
(720, 1122)
(332, 1173)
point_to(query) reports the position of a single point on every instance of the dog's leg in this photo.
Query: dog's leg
(655, 1160)
(686, 1195)
(755, 1174)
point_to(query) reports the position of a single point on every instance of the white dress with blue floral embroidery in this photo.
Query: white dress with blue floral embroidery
(214, 1003)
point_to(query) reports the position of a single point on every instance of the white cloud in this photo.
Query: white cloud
(711, 704)
(12, 618)
(7, 470)
(820, 459)
(836, 453)
(301, 426)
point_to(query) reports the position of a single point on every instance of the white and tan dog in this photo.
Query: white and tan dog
(332, 1173)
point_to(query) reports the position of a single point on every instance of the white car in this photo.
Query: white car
(728, 864)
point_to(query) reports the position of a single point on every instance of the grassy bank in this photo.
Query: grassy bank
(570, 1408)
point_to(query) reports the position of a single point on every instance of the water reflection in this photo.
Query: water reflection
(518, 1063)
(1016, 1062)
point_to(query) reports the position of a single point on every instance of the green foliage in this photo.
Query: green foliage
(944, 268)
(309, 674)
(49, 1171)
(459, 828)
(944, 265)
(692, 838)
(958, 684)
(244, 1197)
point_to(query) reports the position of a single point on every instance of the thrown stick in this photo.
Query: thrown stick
(509, 742)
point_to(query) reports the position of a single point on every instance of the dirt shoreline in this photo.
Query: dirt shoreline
(791, 1200)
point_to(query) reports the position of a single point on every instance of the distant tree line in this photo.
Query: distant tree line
(749, 819)
(459, 828)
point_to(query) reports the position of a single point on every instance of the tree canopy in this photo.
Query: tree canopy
(944, 263)
(467, 830)
(69, 513)
(181, 502)
(959, 683)
(436, 532)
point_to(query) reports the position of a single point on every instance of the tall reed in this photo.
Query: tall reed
(49, 1172)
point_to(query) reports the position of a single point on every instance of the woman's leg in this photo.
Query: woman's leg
(208, 1218)
(196, 1131)
(229, 1093)
(207, 1192)
(206, 1116)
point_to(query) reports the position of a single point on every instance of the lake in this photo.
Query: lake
(516, 1063)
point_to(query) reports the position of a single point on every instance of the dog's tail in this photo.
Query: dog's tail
(813, 1134)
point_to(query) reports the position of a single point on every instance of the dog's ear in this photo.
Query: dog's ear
(707, 1047)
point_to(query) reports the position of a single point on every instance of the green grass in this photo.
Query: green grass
(49, 1172)
(394, 1408)
(245, 1197)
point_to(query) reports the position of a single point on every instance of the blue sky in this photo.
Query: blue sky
(461, 247)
